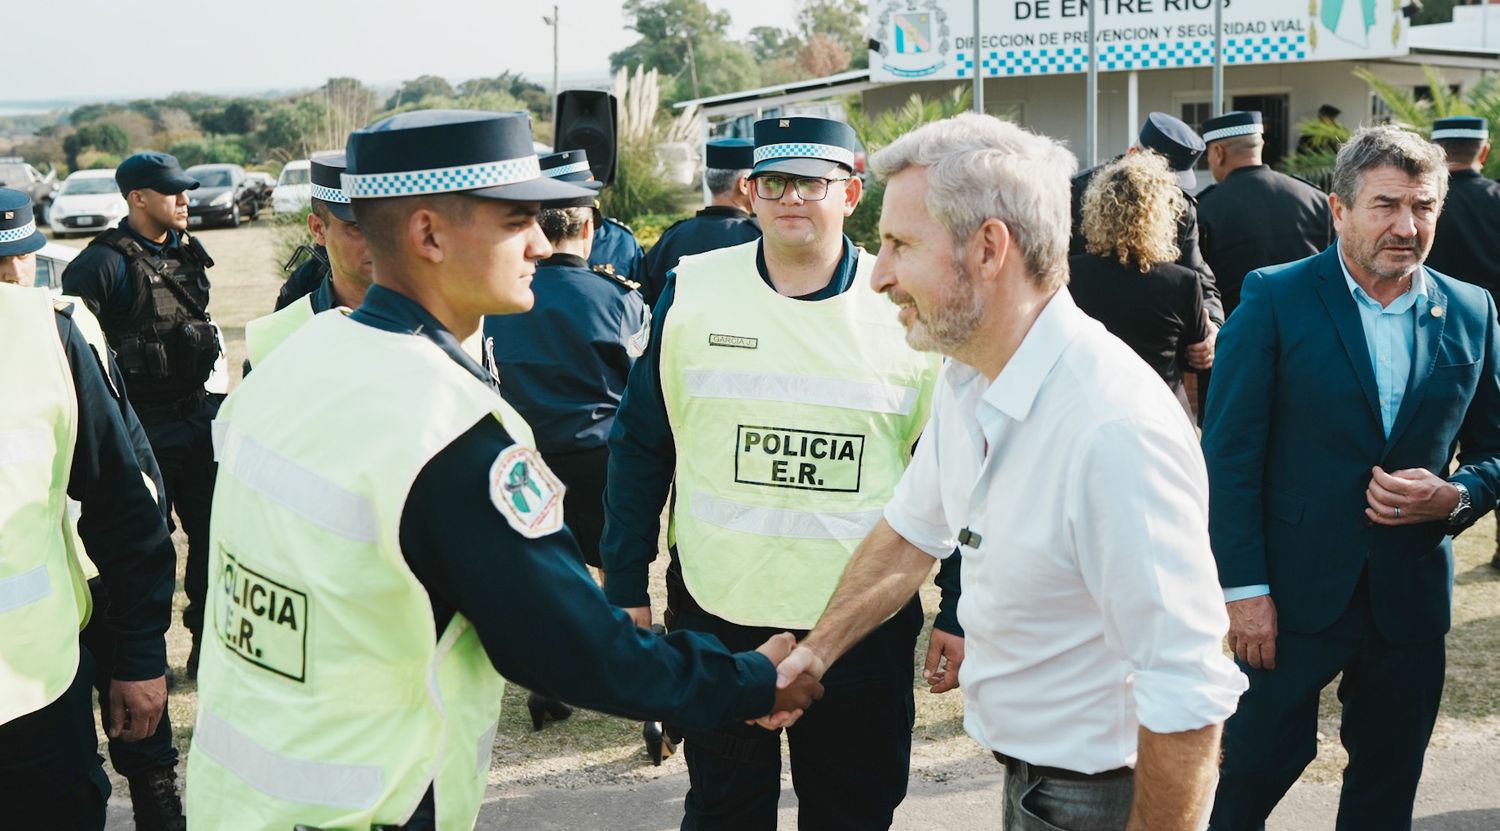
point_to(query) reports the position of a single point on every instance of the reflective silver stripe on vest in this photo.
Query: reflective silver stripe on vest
(486, 749)
(217, 431)
(801, 389)
(24, 589)
(18, 446)
(780, 522)
(297, 489)
(285, 778)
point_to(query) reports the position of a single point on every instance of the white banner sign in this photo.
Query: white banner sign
(935, 38)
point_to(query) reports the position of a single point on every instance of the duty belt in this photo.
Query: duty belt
(172, 410)
(1063, 773)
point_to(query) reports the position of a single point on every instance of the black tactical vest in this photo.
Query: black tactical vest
(168, 346)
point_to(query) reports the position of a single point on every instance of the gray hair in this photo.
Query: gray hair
(720, 181)
(564, 223)
(1387, 146)
(981, 168)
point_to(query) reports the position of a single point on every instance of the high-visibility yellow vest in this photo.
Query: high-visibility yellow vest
(793, 421)
(42, 593)
(326, 698)
(264, 334)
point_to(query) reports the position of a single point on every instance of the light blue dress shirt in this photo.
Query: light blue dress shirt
(1391, 336)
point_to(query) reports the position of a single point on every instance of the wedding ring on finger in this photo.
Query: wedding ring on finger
(1398, 512)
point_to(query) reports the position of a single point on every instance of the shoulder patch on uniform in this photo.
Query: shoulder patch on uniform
(635, 345)
(526, 492)
(608, 270)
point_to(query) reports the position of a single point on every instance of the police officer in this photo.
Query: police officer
(64, 438)
(334, 230)
(1463, 245)
(1182, 147)
(1254, 217)
(615, 244)
(778, 402)
(396, 541)
(725, 221)
(147, 282)
(305, 277)
(149, 765)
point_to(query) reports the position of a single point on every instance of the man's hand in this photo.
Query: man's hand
(945, 654)
(135, 707)
(1200, 355)
(641, 615)
(1408, 497)
(792, 671)
(1252, 631)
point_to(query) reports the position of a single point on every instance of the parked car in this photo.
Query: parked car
(41, 187)
(50, 262)
(264, 184)
(294, 187)
(89, 202)
(223, 196)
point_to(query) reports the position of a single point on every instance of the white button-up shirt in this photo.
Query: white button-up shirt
(1091, 604)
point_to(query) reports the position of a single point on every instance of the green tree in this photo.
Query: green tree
(219, 149)
(874, 133)
(289, 129)
(424, 86)
(769, 43)
(842, 21)
(722, 66)
(672, 33)
(104, 138)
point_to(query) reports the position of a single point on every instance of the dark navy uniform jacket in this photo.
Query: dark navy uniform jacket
(122, 526)
(1258, 218)
(643, 460)
(310, 274)
(615, 244)
(99, 276)
(563, 364)
(1466, 243)
(714, 227)
(543, 621)
(1187, 243)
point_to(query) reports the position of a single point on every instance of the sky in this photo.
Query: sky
(108, 49)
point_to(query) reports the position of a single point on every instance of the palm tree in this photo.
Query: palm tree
(1408, 111)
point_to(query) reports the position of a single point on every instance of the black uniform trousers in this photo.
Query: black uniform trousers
(128, 758)
(850, 752)
(1390, 694)
(185, 452)
(50, 773)
(583, 473)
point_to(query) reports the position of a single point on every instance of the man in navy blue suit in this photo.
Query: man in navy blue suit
(1341, 385)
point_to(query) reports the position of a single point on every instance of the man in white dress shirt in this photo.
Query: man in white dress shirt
(1074, 484)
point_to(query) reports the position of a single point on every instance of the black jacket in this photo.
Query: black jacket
(1257, 218)
(1465, 242)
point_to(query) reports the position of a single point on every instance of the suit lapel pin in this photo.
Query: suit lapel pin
(1437, 311)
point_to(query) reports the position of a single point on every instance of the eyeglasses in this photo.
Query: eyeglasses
(808, 188)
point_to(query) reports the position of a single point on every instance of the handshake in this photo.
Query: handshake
(797, 686)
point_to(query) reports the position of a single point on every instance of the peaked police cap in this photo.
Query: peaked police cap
(730, 154)
(1469, 127)
(18, 231)
(803, 146)
(1232, 125)
(1172, 138)
(473, 152)
(328, 185)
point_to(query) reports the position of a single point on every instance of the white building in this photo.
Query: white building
(1285, 58)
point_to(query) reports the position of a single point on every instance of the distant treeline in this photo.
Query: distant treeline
(257, 132)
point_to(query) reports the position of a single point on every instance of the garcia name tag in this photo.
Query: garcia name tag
(526, 493)
(737, 341)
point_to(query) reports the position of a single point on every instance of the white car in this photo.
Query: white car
(50, 262)
(294, 188)
(88, 203)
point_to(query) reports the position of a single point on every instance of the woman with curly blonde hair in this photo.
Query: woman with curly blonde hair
(1128, 280)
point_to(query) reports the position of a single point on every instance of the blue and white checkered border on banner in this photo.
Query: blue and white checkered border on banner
(576, 167)
(1460, 133)
(804, 150)
(1231, 132)
(328, 194)
(17, 234)
(1147, 55)
(442, 180)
